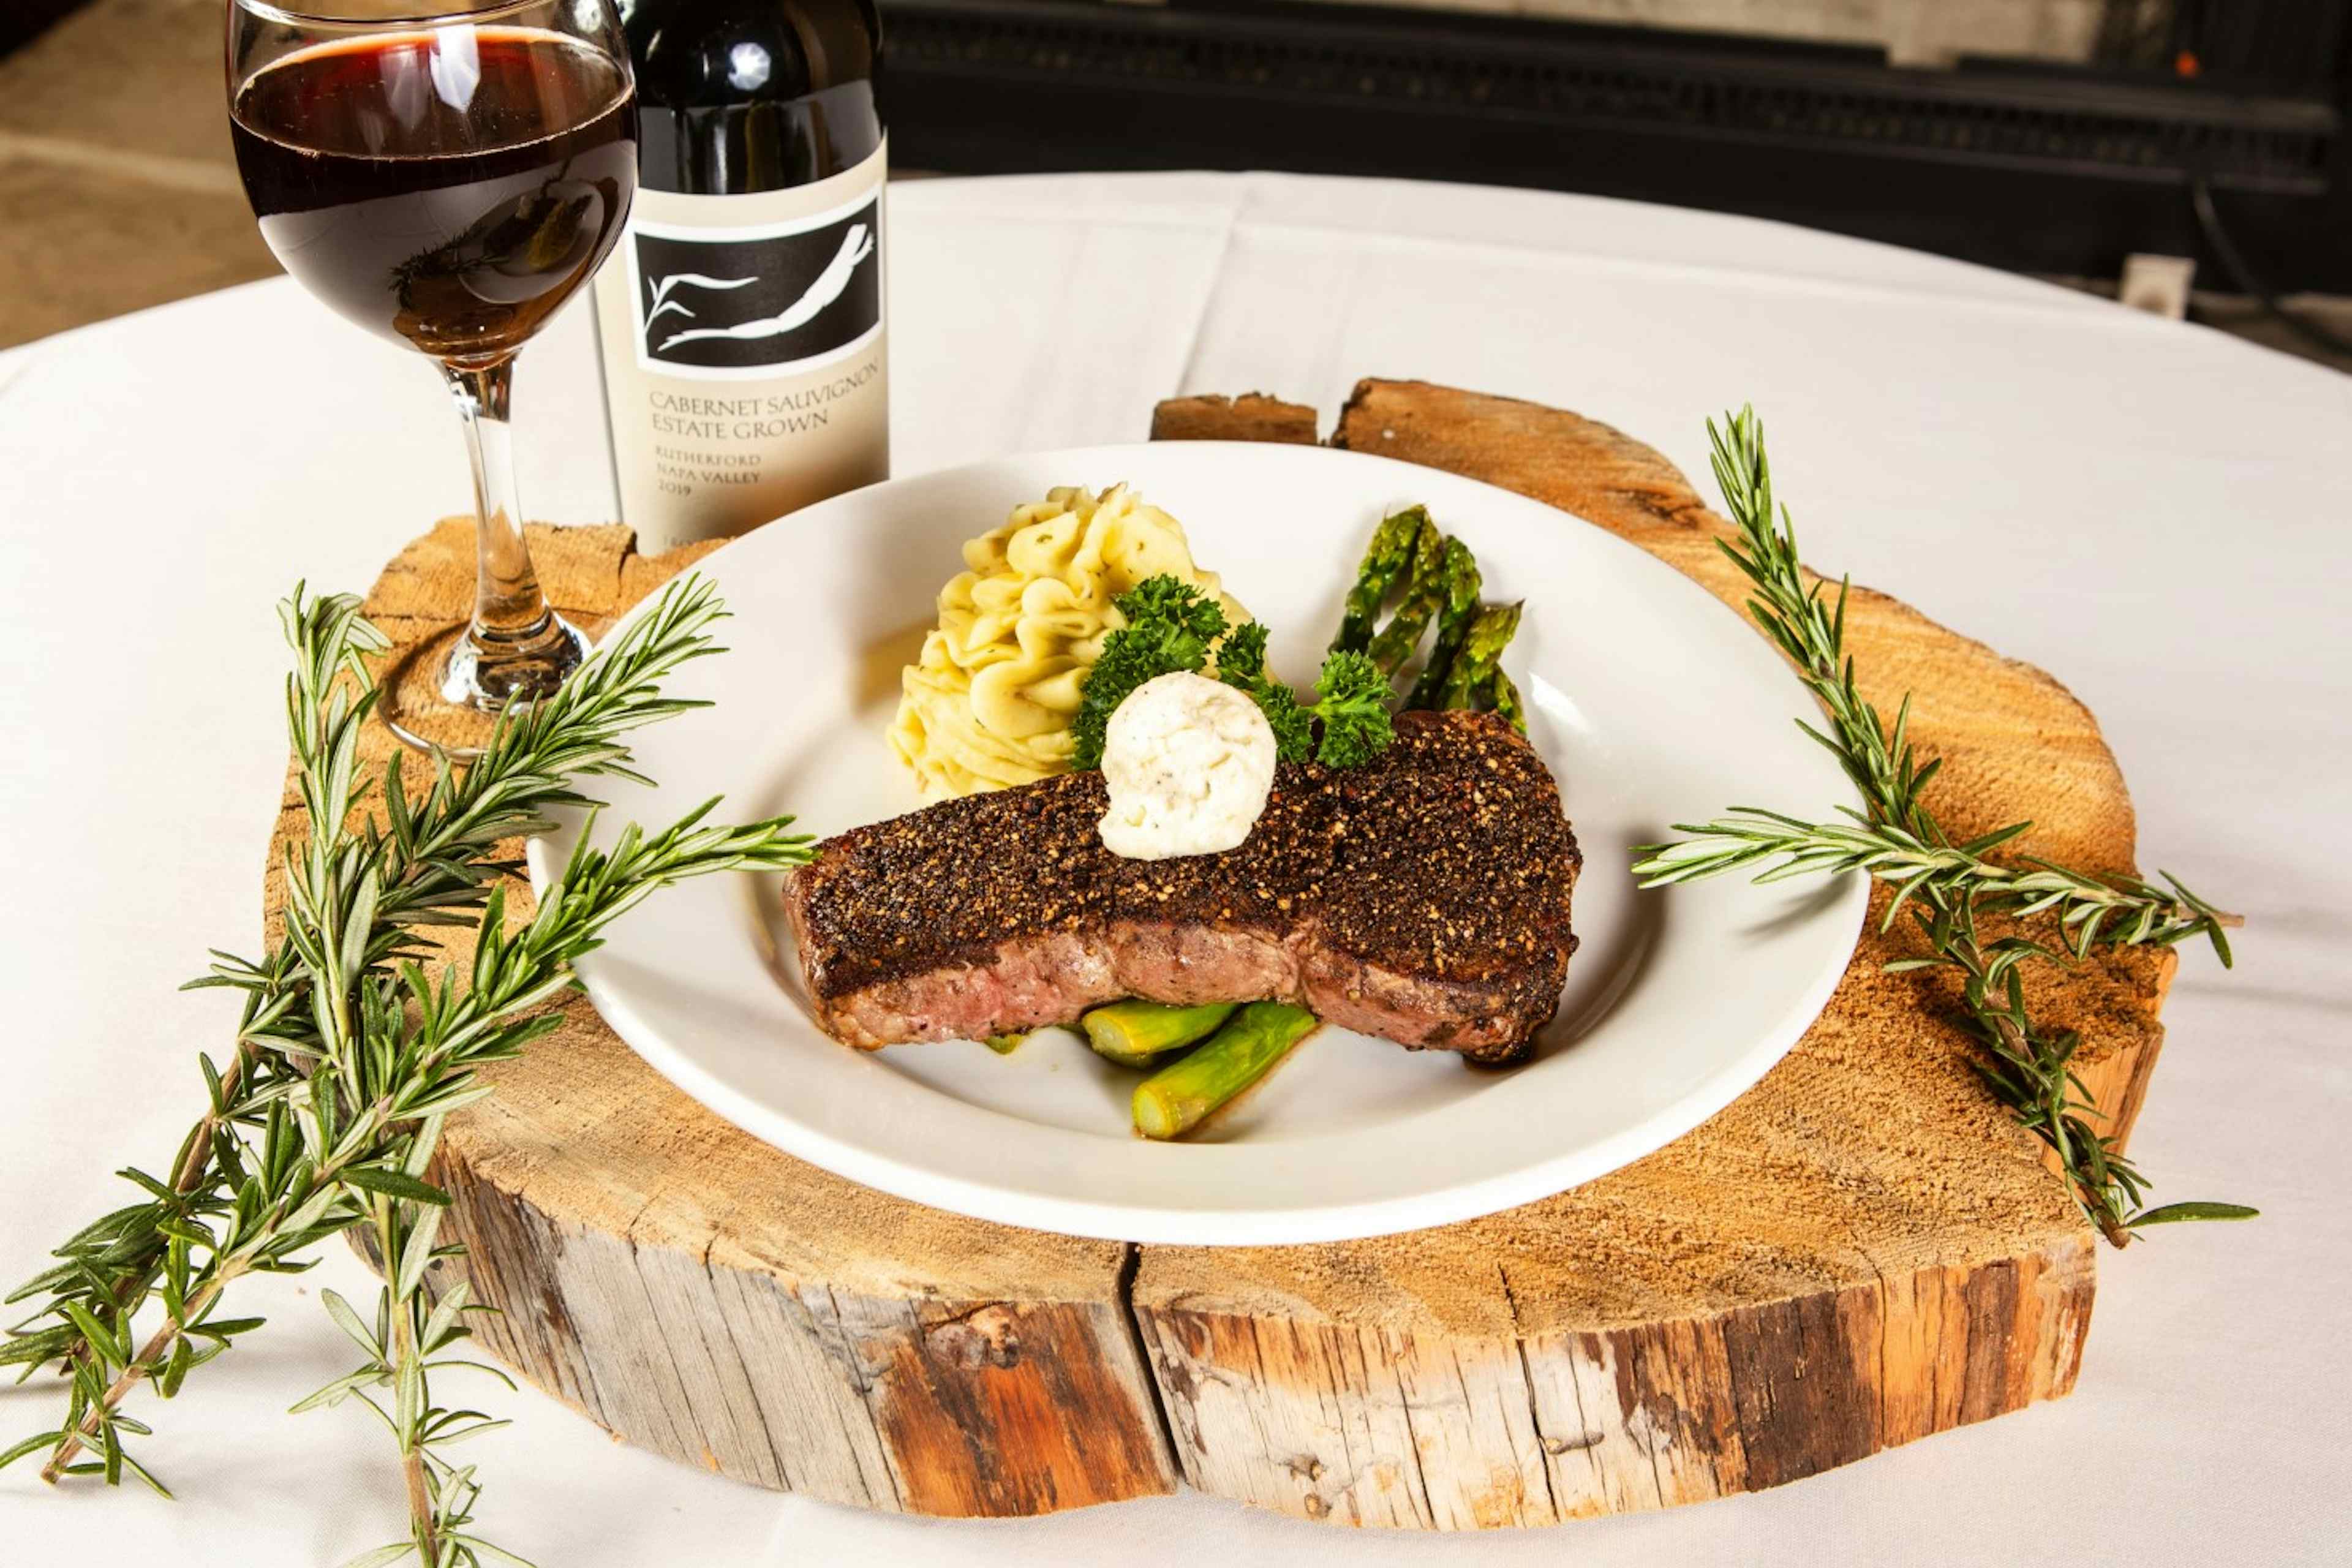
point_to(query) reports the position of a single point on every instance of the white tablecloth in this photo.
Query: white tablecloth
(2155, 513)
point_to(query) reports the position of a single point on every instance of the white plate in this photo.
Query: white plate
(1651, 703)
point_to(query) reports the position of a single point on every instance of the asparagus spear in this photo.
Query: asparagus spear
(1506, 701)
(1482, 650)
(1133, 1033)
(1171, 1101)
(1385, 560)
(1002, 1045)
(1393, 644)
(1460, 583)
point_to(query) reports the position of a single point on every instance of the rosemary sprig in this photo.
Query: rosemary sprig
(1944, 885)
(349, 1055)
(434, 860)
(420, 1042)
(2127, 910)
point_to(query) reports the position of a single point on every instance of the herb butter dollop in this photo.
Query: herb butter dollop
(1189, 763)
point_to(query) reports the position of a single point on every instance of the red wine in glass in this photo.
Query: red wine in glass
(448, 179)
(454, 204)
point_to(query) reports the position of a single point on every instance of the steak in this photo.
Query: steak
(1422, 897)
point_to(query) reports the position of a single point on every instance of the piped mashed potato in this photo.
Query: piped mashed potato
(989, 702)
(1189, 763)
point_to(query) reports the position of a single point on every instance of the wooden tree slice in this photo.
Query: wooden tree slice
(1862, 1251)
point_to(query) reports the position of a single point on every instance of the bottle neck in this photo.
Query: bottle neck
(737, 149)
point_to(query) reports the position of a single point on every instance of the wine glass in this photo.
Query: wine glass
(446, 179)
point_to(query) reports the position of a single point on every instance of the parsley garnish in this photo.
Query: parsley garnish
(1354, 710)
(1171, 627)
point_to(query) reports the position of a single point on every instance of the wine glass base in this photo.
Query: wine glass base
(447, 692)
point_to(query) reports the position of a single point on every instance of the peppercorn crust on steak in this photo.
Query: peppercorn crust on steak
(1422, 897)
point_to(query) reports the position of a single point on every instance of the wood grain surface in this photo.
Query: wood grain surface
(1861, 1251)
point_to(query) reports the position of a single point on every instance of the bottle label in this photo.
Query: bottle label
(743, 304)
(744, 354)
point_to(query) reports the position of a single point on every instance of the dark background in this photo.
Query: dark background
(117, 188)
(2022, 164)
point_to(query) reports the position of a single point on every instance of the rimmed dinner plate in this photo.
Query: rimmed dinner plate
(1651, 703)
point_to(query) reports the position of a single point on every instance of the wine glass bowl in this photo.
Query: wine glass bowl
(448, 180)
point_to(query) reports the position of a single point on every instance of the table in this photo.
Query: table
(2153, 511)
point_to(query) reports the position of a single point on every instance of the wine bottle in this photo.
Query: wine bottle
(740, 319)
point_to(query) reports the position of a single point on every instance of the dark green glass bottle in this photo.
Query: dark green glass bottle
(741, 319)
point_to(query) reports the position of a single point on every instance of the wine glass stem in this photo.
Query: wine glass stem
(510, 614)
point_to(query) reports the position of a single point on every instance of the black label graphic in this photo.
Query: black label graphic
(725, 303)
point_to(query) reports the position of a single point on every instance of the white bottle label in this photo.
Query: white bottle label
(745, 354)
